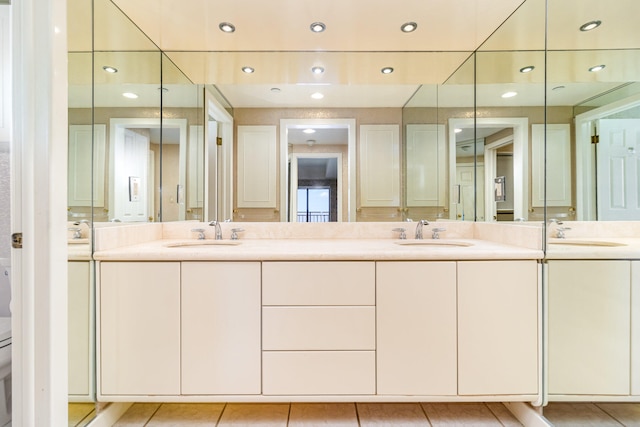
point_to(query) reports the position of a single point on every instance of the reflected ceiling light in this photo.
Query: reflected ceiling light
(318, 27)
(164, 89)
(309, 131)
(509, 94)
(248, 70)
(317, 95)
(130, 95)
(226, 27)
(275, 89)
(317, 70)
(408, 27)
(596, 68)
(110, 69)
(591, 25)
(387, 70)
(527, 69)
(558, 87)
(310, 142)
(457, 130)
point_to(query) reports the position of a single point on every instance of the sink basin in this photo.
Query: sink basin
(206, 243)
(432, 243)
(575, 242)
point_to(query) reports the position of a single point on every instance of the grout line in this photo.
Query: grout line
(606, 412)
(221, 412)
(493, 413)
(357, 414)
(152, 415)
(425, 413)
(289, 414)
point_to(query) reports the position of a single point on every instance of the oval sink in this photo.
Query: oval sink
(574, 242)
(432, 243)
(206, 243)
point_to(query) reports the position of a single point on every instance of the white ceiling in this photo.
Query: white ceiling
(432, 65)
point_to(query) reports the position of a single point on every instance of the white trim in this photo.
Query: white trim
(219, 199)
(350, 125)
(585, 155)
(293, 217)
(520, 127)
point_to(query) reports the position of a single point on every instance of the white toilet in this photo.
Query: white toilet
(5, 350)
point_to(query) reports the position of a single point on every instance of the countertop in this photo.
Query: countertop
(79, 251)
(317, 249)
(594, 248)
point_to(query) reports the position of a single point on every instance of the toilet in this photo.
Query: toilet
(5, 350)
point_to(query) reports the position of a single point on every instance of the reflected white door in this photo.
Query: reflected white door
(618, 174)
(130, 177)
(465, 179)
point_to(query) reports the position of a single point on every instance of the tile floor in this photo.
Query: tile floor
(317, 414)
(567, 414)
(80, 414)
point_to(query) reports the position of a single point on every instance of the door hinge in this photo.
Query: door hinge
(16, 240)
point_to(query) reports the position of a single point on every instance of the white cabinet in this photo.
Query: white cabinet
(140, 328)
(80, 330)
(589, 327)
(256, 167)
(86, 165)
(426, 160)
(497, 327)
(221, 328)
(551, 158)
(318, 332)
(379, 161)
(635, 328)
(416, 328)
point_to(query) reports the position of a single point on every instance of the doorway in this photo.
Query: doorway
(316, 187)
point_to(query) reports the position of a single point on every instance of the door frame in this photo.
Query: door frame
(293, 217)
(520, 127)
(350, 125)
(586, 209)
(490, 171)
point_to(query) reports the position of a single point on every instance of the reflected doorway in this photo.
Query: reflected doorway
(316, 187)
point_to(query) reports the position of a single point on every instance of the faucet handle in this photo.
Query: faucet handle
(77, 234)
(200, 232)
(402, 231)
(234, 233)
(436, 232)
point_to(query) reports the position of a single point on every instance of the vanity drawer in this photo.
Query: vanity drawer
(318, 372)
(318, 328)
(318, 283)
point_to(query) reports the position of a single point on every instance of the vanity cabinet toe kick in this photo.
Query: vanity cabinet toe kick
(318, 331)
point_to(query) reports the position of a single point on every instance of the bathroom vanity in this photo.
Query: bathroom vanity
(288, 315)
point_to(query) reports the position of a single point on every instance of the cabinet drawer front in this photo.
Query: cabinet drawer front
(315, 373)
(318, 328)
(318, 283)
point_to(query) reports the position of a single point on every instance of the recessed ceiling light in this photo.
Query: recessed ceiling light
(457, 130)
(310, 142)
(558, 87)
(317, 70)
(509, 94)
(387, 70)
(248, 70)
(318, 27)
(408, 27)
(309, 131)
(597, 68)
(317, 95)
(275, 89)
(227, 27)
(110, 69)
(590, 25)
(527, 69)
(130, 95)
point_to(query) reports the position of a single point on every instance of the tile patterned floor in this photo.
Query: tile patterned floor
(567, 414)
(80, 414)
(317, 414)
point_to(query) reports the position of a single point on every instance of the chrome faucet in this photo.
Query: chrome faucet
(401, 230)
(216, 224)
(436, 232)
(421, 223)
(200, 232)
(559, 229)
(77, 233)
(234, 233)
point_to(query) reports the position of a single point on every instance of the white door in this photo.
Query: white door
(618, 173)
(465, 179)
(130, 176)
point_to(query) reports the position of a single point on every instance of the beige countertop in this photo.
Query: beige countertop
(316, 249)
(594, 248)
(79, 251)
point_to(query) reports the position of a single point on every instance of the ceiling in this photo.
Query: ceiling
(433, 66)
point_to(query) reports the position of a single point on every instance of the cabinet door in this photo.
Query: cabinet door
(140, 328)
(426, 175)
(416, 328)
(379, 166)
(589, 327)
(551, 158)
(497, 327)
(221, 328)
(79, 328)
(257, 167)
